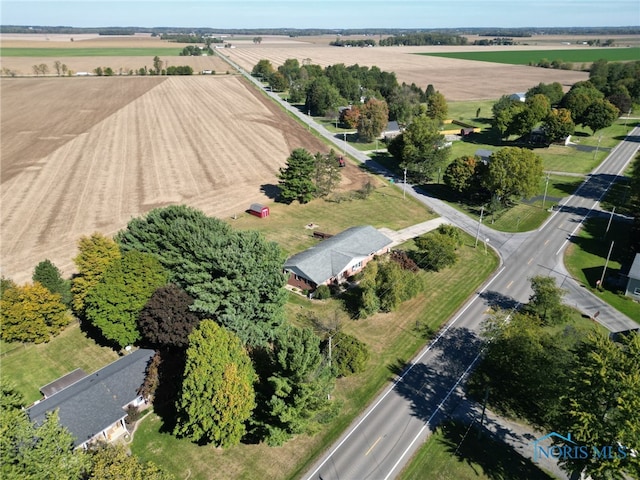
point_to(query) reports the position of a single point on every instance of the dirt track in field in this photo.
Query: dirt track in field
(100, 152)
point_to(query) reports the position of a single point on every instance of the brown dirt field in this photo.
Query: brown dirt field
(104, 150)
(457, 80)
(120, 65)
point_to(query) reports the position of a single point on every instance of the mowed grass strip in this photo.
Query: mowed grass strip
(393, 338)
(32, 366)
(526, 57)
(454, 452)
(90, 52)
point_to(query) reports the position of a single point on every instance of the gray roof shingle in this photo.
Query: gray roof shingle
(330, 257)
(96, 402)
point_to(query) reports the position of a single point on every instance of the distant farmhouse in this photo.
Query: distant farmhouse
(335, 259)
(519, 96)
(93, 407)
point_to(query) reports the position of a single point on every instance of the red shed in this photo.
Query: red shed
(259, 210)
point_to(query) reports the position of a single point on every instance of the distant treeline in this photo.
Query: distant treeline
(368, 42)
(424, 39)
(495, 41)
(295, 32)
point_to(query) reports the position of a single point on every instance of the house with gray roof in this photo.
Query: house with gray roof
(336, 258)
(93, 408)
(633, 283)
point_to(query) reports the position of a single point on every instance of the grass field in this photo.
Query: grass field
(91, 52)
(586, 256)
(392, 338)
(454, 452)
(527, 57)
(32, 366)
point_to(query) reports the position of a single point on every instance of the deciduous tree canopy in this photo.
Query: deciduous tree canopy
(49, 276)
(513, 173)
(114, 304)
(217, 395)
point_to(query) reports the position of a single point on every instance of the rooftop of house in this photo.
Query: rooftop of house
(634, 272)
(97, 401)
(62, 382)
(330, 257)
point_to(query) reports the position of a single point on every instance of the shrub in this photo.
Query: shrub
(349, 355)
(436, 251)
(322, 293)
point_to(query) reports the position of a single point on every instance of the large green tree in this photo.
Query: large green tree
(460, 173)
(217, 395)
(114, 304)
(602, 406)
(96, 252)
(553, 92)
(374, 117)
(421, 148)
(558, 125)
(296, 179)
(546, 300)
(234, 277)
(513, 173)
(437, 108)
(49, 276)
(296, 396)
(578, 99)
(322, 97)
(599, 114)
(31, 313)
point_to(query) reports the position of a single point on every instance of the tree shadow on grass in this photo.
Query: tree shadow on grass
(270, 190)
(170, 373)
(497, 460)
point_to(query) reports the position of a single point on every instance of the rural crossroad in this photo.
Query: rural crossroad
(386, 435)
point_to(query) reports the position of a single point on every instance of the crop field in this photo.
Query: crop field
(457, 80)
(526, 57)
(103, 150)
(90, 52)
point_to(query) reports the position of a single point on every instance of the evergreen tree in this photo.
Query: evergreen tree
(217, 395)
(298, 389)
(437, 108)
(296, 180)
(234, 277)
(49, 276)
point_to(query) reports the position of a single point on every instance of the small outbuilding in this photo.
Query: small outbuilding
(259, 210)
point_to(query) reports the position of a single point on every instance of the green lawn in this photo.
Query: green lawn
(526, 57)
(586, 256)
(32, 366)
(286, 224)
(393, 338)
(454, 452)
(90, 52)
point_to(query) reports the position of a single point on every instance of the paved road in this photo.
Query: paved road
(385, 436)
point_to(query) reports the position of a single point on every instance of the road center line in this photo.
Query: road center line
(390, 389)
(372, 446)
(530, 260)
(510, 283)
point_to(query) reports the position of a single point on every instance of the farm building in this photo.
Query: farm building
(633, 283)
(336, 258)
(392, 130)
(520, 96)
(259, 210)
(93, 408)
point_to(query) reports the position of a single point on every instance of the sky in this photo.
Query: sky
(336, 14)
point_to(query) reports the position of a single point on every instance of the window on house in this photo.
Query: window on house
(636, 291)
(357, 266)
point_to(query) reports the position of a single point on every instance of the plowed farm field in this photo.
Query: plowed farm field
(457, 80)
(88, 154)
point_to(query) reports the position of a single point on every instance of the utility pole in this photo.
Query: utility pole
(404, 185)
(605, 265)
(596, 152)
(546, 186)
(330, 338)
(484, 408)
(610, 218)
(479, 222)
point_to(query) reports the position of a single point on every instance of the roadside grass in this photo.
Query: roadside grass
(32, 366)
(586, 256)
(286, 224)
(91, 52)
(466, 111)
(454, 452)
(393, 337)
(526, 57)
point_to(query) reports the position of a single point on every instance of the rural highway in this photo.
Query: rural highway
(384, 437)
